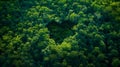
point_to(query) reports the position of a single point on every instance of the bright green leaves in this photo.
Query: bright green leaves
(40, 14)
(73, 17)
(60, 49)
(66, 46)
(57, 19)
(44, 8)
(6, 37)
(33, 14)
(113, 8)
(115, 11)
(73, 54)
(62, 1)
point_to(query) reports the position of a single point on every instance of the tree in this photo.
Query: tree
(116, 62)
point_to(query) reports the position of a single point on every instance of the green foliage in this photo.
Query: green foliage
(116, 62)
(73, 17)
(60, 33)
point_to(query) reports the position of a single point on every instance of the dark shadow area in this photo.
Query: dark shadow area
(59, 31)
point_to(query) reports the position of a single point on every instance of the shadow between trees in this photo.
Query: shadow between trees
(60, 31)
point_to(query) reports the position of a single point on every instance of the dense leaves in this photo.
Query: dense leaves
(60, 33)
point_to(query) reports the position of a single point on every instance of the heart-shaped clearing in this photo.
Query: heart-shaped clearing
(59, 31)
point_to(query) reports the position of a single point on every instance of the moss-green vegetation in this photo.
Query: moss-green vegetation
(60, 33)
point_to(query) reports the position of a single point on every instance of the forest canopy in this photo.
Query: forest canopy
(60, 33)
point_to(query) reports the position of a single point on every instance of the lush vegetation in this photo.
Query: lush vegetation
(59, 33)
